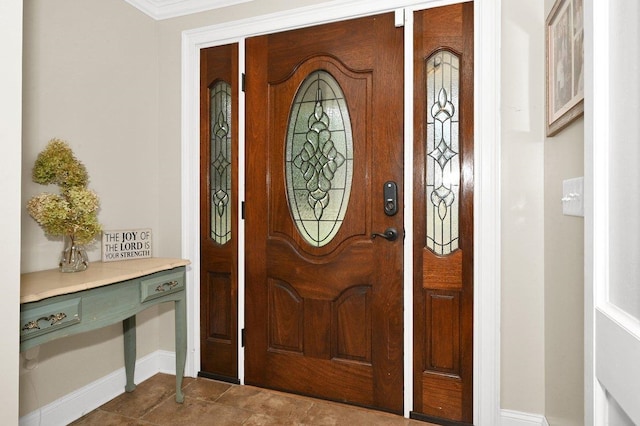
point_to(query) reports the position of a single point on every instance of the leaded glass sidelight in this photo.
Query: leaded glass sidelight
(319, 158)
(220, 161)
(442, 152)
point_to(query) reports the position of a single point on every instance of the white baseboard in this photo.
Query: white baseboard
(517, 418)
(78, 403)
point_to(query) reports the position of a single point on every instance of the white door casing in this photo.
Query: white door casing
(487, 176)
(612, 223)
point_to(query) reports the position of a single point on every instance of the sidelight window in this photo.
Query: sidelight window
(442, 153)
(220, 160)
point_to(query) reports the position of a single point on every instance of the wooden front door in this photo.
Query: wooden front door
(218, 213)
(324, 136)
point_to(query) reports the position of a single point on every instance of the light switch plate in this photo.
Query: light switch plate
(573, 197)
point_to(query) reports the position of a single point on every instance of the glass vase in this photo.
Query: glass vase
(74, 256)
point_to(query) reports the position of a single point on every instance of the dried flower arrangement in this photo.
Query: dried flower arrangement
(74, 212)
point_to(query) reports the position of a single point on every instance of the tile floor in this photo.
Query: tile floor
(209, 402)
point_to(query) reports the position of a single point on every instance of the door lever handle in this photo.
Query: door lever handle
(389, 234)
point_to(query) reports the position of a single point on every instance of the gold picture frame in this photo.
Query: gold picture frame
(564, 32)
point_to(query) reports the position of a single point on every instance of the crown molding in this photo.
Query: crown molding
(165, 9)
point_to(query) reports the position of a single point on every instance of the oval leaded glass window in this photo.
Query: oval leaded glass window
(443, 147)
(319, 158)
(220, 161)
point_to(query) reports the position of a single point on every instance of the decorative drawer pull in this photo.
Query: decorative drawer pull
(53, 319)
(166, 286)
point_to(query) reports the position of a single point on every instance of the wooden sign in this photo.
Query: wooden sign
(126, 244)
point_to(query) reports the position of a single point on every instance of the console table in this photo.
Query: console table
(55, 304)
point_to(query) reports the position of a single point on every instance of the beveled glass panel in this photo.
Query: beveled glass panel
(319, 158)
(442, 152)
(220, 161)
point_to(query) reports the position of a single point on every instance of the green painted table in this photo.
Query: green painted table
(55, 304)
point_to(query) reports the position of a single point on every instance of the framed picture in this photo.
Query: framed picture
(565, 64)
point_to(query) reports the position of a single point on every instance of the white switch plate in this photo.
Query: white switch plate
(573, 197)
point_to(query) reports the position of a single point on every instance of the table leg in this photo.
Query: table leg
(129, 328)
(181, 345)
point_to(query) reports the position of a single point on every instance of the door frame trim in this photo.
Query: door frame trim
(487, 153)
(596, 45)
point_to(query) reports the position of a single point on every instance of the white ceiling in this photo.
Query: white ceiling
(164, 9)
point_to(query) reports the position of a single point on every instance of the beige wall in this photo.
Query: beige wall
(522, 307)
(542, 261)
(10, 129)
(91, 77)
(564, 279)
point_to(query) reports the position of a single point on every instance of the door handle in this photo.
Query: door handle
(389, 234)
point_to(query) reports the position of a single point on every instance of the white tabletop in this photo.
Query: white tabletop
(39, 285)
